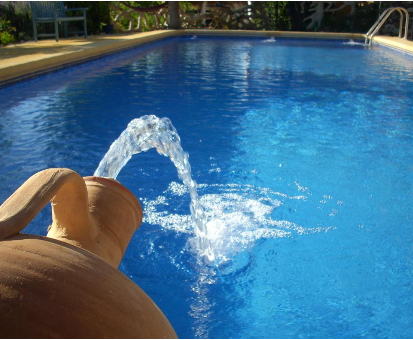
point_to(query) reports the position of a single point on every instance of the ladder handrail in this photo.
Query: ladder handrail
(399, 9)
(382, 19)
(376, 23)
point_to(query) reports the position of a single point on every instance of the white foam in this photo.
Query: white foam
(237, 216)
(270, 40)
(351, 42)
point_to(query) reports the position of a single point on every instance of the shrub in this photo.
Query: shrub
(6, 38)
(6, 32)
(15, 20)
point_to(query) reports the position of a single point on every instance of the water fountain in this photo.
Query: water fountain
(149, 132)
(224, 221)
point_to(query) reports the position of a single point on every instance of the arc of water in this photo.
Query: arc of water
(149, 132)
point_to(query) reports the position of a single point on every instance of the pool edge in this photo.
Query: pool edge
(70, 52)
(76, 51)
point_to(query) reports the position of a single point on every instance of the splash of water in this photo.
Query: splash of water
(269, 40)
(351, 42)
(150, 132)
(239, 215)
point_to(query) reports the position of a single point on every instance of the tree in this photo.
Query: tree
(174, 21)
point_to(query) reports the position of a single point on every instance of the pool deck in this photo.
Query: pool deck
(21, 61)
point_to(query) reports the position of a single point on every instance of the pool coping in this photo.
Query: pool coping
(30, 59)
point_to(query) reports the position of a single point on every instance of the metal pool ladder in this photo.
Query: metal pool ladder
(383, 17)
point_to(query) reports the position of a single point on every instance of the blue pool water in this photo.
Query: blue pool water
(303, 155)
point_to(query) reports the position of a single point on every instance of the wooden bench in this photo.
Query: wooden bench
(55, 12)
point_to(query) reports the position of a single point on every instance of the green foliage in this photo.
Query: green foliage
(6, 38)
(186, 6)
(19, 15)
(6, 32)
(5, 26)
(144, 4)
(15, 21)
(124, 22)
(98, 13)
(277, 12)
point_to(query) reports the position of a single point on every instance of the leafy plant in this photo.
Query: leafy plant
(6, 38)
(15, 19)
(6, 32)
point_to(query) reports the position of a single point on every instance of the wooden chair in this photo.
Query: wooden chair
(54, 12)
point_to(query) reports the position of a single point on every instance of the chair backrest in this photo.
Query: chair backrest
(47, 9)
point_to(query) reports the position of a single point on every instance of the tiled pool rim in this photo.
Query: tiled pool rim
(31, 59)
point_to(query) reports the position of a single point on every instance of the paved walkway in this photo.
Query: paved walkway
(28, 59)
(31, 58)
(397, 43)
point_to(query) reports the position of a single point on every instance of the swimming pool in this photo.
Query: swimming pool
(302, 149)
